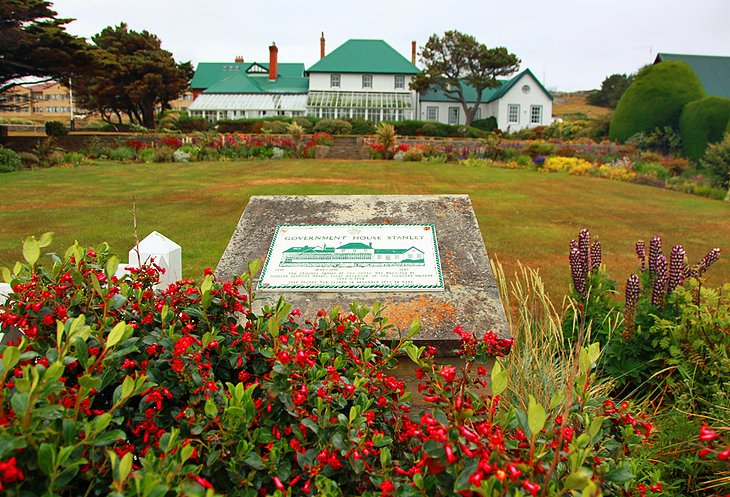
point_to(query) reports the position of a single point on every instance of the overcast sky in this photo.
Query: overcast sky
(569, 44)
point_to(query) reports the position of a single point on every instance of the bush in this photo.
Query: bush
(662, 140)
(655, 99)
(190, 388)
(188, 124)
(703, 122)
(274, 127)
(9, 160)
(652, 169)
(488, 124)
(164, 154)
(539, 148)
(305, 122)
(29, 159)
(717, 162)
(122, 154)
(430, 129)
(333, 127)
(75, 158)
(56, 129)
(362, 127)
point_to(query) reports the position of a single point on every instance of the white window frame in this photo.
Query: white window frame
(536, 114)
(515, 114)
(367, 81)
(399, 82)
(453, 111)
(432, 113)
(335, 80)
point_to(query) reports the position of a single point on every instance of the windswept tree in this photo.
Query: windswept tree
(612, 89)
(462, 68)
(33, 42)
(133, 76)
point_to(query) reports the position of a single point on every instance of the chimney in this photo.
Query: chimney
(321, 46)
(413, 52)
(273, 62)
(239, 59)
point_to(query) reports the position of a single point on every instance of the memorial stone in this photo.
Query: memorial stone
(418, 255)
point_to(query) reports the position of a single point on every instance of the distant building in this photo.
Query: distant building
(713, 71)
(353, 252)
(46, 101)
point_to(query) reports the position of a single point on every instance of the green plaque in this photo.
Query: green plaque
(353, 257)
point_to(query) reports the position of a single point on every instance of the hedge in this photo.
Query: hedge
(703, 122)
(655, 99)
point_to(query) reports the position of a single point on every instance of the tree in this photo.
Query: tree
(612, 88)
(33, 42)
(132, 76)
(655, 99)
(462, 68)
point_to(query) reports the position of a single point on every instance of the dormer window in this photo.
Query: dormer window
(400, 82)
(334, 80)
(367, 80)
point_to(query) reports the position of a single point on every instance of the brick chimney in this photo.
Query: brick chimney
(273, 62)
(321, 46)
(413, 52)
(239, 59)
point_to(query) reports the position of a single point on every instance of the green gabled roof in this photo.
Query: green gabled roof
(434, 94)
(208, 74)
(236, 83)
(354, 245)
(712, 70)
(364, 56)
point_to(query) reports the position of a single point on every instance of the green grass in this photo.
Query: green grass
(523, 215)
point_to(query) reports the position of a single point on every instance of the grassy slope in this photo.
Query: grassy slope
(523, 215)
(575, 103)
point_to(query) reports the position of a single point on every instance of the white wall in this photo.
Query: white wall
(443, 109)
(525, 100)
(353, 82)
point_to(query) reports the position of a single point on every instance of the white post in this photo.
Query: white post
(166, 254)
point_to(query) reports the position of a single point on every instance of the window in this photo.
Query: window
(367, 80)
(374, 115)
(536, 114)
(513, 113)
(432, 113)
(343, 113)
(334, 80)
(400, 82)
(453, 115)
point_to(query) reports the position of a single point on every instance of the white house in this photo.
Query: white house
(360, 79)
(365, 79)
(520, 102)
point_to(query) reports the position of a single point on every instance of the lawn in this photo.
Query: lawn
(523, 215)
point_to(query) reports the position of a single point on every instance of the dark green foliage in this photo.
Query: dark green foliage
(655, 99)
(274, 127)
(458, 59)
(188, 124)
(703, 122)
(9, 160)
(664, 141)
(612, 89)
(247, 125)
(717, 162)
(540, 148)
(432, 128)
(307, 123)
(362, 127)
(333, 126)
(132, 75)
(56, 129)
(488, 124)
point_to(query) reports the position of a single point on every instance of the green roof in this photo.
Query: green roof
(289, 80)
(712, 70)
(364, 56)
(434, 94)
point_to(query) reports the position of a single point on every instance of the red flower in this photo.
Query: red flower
(531, 487)
(706, 434)
(9, 472)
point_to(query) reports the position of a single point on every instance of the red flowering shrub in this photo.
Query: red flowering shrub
(113, 387)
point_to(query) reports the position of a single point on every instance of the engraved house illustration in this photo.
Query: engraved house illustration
(354, 252)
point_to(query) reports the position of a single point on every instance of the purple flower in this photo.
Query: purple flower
(578, 272)
(641, 254)
(659, 291)
(676, 268)
(632, 299)
(596, 256)
(655, 250)
(584, 245)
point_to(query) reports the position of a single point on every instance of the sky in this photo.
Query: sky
(569, 45)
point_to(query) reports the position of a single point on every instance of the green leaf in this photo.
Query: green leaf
(255, 461)
(619, 475)
(414, 328)
(53, 373)
(97, 286)
(102, 421)
(596, 426)
(206, 285)
(116, 334)
(578, 480)
(46, 458)
(594, 352)
(31, 250)
(499, 379)
(90, 382)
(385, 458)
(584, 361)
(536, 416)
(127, 387)
(112, 264)
(210, 408)
(46, 239)
(7, 276)
(108, 437)
(11, 356)
(414, 352)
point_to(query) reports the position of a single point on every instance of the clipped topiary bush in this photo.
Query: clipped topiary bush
(655, 99)
(703, 122)
(333, 126)
(362, 127)
(274, 127)
(488, 124)
(9, 160)
(56, 129)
